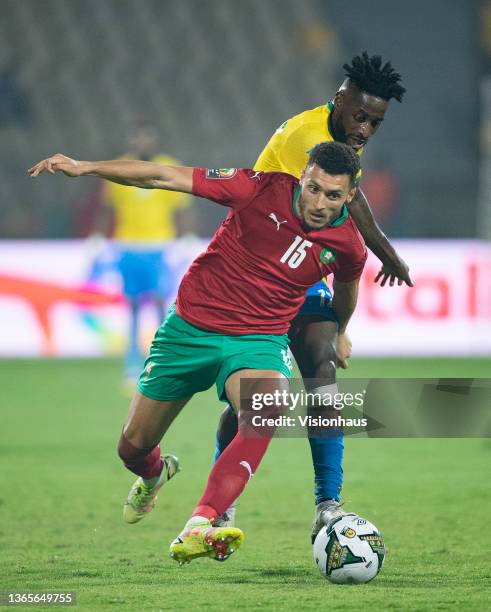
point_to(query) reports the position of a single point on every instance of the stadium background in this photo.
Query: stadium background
(217, 78)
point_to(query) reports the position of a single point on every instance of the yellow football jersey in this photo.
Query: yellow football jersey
(288, 148)
(144, 215)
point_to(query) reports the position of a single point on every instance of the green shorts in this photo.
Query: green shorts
(185, 359)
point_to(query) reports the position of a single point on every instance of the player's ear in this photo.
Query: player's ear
(351, 193)
(339, 99)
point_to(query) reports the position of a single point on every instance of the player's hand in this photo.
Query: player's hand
(57, 163)
(343, 350)
(398, 270)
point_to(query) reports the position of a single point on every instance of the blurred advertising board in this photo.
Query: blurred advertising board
(63, 298)
(447, 312)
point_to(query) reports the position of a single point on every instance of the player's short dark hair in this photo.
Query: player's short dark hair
(368, 74)
(335, 158)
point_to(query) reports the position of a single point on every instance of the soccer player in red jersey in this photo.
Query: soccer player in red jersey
(353, 116)
(233, 311)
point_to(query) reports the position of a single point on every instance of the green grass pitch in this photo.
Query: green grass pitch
(62, 488)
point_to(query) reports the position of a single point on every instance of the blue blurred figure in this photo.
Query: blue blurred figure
(142, 221)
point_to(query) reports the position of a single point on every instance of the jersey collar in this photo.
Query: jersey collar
(336, 223)
(342, 217)
(330, 108)
(294, 201)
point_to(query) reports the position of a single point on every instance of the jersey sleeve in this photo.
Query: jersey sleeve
(294, 152)
(350, 268)
(228, 186)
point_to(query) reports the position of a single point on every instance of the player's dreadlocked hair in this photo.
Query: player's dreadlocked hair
(368, 74)
(335, 158)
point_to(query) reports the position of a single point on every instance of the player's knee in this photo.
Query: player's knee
(227, 427)
(326, 369)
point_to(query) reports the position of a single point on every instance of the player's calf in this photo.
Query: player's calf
(144, 462)
(226, 432)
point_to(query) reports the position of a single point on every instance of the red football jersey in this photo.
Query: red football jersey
(253, 277)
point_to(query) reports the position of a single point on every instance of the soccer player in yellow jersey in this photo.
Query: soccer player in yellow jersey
(143, 220)
(318, 343)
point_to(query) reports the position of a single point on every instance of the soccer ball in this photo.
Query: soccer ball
(350, 551)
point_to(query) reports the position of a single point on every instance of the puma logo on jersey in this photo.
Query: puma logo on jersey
(275, 219)
(256, 175)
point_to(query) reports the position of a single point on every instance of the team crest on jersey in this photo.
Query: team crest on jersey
(221, 173)
(328, 255)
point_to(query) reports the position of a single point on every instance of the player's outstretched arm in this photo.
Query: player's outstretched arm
(127, 172)
(394, 267)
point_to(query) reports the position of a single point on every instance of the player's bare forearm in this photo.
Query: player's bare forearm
(394, 267)
(374, 237)
(127, 172)
(344, 302)
(143, 174)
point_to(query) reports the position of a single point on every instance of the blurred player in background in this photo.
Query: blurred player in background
(233, 310)
(352, 117)
(141, 220)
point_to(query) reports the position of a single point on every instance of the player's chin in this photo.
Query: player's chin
(317, 223)
(355, 144)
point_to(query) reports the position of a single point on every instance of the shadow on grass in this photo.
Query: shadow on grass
(307, 577)
(269, 576)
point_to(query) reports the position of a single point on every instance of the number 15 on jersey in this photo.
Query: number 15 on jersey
(296, 252)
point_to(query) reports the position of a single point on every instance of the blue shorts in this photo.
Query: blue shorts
(144, 272)
(318, 302)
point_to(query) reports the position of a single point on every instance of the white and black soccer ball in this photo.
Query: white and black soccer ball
(350, 551)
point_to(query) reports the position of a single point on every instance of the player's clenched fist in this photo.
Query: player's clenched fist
(57, 163)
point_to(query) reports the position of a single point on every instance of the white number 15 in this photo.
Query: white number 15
(295, 253)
